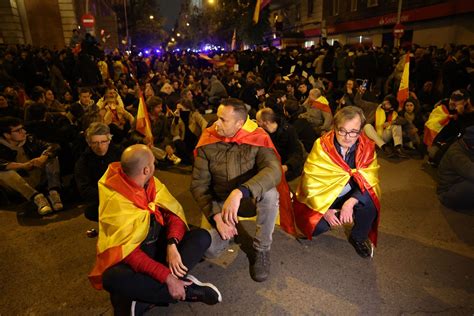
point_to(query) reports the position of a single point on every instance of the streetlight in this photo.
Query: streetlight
(151, 17)
(178, 34)
(172, 39)
(187, 23)
(211, 2)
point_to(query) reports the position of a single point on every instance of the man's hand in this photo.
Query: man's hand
(176, 287)
(226, 231)
(231, 207)
(285, 168)
(386, 124)
(347, 210)
(174, 261)
(331, 218)
(39, 161)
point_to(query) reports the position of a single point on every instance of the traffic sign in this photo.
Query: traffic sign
(398, 30)
(88, 20)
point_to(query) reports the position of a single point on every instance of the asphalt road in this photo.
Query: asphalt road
(424, 263)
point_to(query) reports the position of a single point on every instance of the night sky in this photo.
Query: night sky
(170, 10)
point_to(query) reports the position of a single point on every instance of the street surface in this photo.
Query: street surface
(424, 263)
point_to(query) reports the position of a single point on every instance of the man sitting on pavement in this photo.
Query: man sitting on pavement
(234, 162)
(92, 164)
(144, 250)
(340, 183)
(26, 163)
(286, 141)
(456, 173)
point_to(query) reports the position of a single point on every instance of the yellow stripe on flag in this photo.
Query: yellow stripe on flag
(143, 125)
(403, 90)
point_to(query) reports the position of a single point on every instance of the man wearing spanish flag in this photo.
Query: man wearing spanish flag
(445, 124)
(144, 250)
(340, 183)
(236, 164)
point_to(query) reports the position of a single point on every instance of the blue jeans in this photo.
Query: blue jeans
(365, 213)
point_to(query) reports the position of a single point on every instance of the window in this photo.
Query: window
(353, 5)
(372, 3)
(310, 7)
(335, 7)
(308, 44)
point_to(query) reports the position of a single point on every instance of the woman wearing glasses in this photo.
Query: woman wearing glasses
(340, 183)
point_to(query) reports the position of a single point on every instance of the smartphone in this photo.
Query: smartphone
(364, 83)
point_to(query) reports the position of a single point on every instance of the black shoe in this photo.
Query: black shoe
(260, 269)
(400, 153)
(202, 292)
(363, 248)
(388, 151)
(139, 308)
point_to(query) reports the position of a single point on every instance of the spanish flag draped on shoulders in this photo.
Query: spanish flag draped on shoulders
(381, 117)
(438, 119)
(124, 217)
(324, 177)
(322, 104)
(253, 135)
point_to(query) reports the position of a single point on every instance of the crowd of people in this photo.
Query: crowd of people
(247, 122)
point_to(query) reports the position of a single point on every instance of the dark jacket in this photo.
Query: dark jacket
(290, 149)
(33, 148)
(222, 167)
(89, 169)
(456, 166)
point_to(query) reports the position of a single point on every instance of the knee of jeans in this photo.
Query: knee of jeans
(10, 176)
(271, 195)
(216, 247)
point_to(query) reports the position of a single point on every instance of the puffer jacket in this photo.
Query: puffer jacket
(222, 167)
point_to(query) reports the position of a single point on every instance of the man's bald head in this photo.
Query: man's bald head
(315, 93)
(135, 158)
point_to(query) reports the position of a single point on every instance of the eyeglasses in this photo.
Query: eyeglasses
(18, 130)
(102, 142)
(343, 132)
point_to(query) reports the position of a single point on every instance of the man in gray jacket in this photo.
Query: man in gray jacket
(235, 164)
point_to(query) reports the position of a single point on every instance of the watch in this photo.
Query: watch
(172, 241)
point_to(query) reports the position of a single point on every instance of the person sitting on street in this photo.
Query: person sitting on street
(456, 173)
(92, 164)
(26, 163)
(293, 113)
(387, 127)
(445, 124)
(144, 249)
(340, 183)
(318, 112)
(236, 163)
(286, 141)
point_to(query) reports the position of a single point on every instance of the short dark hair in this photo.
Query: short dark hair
(84, 90)
(239, 107)
(267, 115)
(37, 93)
(153, 102)
(7, 122)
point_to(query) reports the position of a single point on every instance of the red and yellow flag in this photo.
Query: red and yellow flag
(381, 118)
(403, 90)
(325, 176)
(438, 119)
(258, 8)
(322, 104)
(124, 217)
(143, 125)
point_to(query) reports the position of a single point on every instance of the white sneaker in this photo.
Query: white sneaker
(175, 159)
(55, 200)
(42, 203)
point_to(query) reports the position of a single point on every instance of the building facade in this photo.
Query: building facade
(50, 23)
(426, 22)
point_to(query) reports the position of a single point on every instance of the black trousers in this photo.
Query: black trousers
(365, 213)
(459, 196)
(125, 285)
